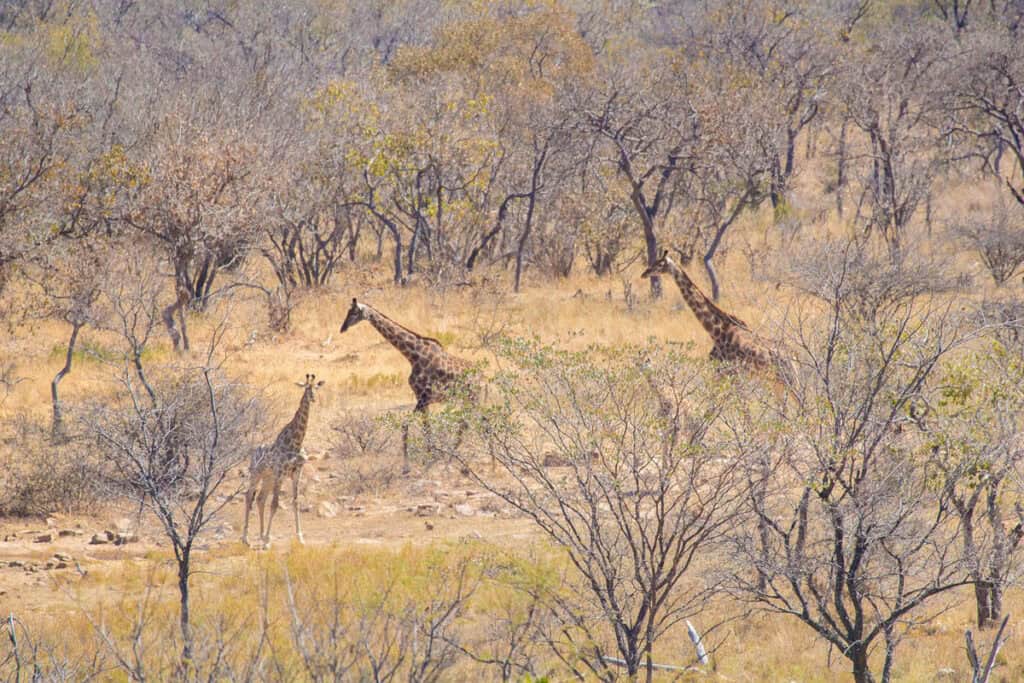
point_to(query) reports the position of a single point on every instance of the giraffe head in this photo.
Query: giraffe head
(311, 386)
(357, 313)
(663, 265)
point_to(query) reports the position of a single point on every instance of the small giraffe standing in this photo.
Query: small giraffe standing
(270, 465)
(435, 372)
(734, 341)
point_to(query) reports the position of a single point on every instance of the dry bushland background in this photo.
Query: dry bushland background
(192, 192)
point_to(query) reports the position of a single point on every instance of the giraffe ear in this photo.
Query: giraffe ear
(300, 385)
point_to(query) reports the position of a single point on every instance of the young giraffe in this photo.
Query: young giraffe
(270, 465)
(734, 341)
(435, 372)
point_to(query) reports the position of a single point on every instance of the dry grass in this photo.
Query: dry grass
(232, 591)
(366, 377)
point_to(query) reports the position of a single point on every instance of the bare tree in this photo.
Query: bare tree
(627, 480)
(648, 130)
(891, 98)
(860, 542)
(975, 437)
(397, 633)
(171, 444)
(986, 101)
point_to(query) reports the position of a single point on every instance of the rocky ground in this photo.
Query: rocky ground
(43, 560)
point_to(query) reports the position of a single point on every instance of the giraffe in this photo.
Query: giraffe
(734, 341)
(270, 465)
(435, 372)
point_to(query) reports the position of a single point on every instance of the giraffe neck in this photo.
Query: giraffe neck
(406, 341)
(295, 431)
(713, 319)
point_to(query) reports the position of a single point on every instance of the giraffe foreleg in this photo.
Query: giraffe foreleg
(249, 495)
(420, 409)
(273, 509)
(295, 504)
(405, 439)
(428, 434)
(261, 504)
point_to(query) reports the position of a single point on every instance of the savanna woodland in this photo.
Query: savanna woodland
(633, 340)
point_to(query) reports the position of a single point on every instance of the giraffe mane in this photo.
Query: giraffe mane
(727, 316)
(398, 324)
(712, 306)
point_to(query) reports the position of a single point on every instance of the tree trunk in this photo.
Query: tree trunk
(527, 228)
(716, 242)
(499, 224)
(777, 185)
(184, 616)
(650, 239)
(57, 427)
(652, 255)
(861, 670)
(988, 597)
(410, 267)
(841, 170)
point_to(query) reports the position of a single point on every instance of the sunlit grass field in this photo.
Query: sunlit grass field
(236, 589)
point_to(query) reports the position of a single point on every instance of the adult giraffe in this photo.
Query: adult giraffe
(436, 374)
(734, 341)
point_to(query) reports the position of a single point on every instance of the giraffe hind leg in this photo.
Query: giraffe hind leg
(295, 505)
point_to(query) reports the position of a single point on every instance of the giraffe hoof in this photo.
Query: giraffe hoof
(245, 542)
(301, 540)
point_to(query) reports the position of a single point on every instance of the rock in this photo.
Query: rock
(356, 508)
(464, 510)
(554, 460)
(44, 538)
(123, 538)
(14, 564)
(50, 564)
(51, 522)
(124, 525)
(326, 509)
(99, 539)
(305, 507)
(61, 565)
(62, 557)
(10, 537)
(430, 526)
(64, 533)
(946, 674)
(427, 509)
(109, 534)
